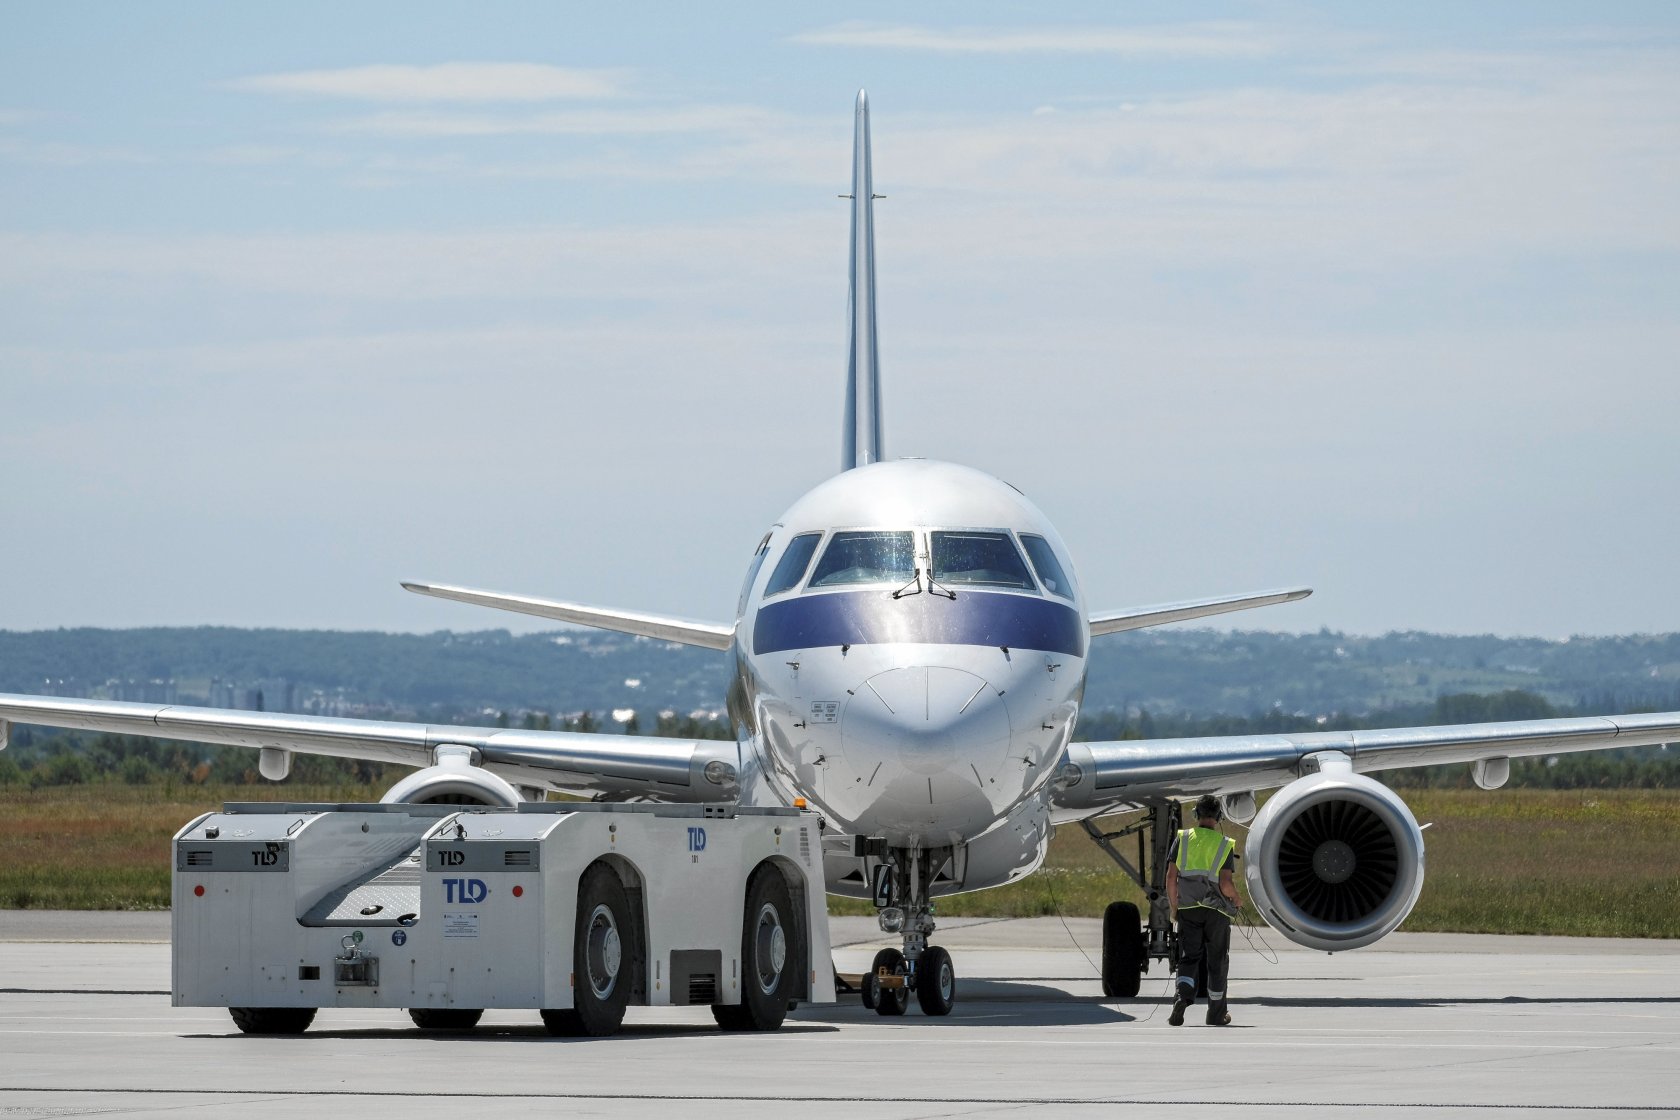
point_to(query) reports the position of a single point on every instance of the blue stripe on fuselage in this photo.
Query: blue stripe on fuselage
(973, 618)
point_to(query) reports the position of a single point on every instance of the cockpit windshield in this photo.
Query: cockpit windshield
(1049, 570)
(866, 557)
(979, 558)
(791, 568)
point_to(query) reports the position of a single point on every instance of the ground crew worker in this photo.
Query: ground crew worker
(1203, 892)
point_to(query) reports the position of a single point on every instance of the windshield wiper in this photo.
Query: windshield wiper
(916, 579)
(938, 590)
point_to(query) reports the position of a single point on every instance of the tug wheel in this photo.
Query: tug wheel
(272, 1020)
(446, 1018)
(772, 957)
(606, 951)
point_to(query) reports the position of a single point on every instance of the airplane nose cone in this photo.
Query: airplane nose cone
(929, 720)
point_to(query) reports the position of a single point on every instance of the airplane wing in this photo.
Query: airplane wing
(1121, 774)
(1135, 618)
(568, 761)
(711, 635)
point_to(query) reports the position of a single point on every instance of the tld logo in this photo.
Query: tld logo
(696, 839)
(465, 890)
(450, 857)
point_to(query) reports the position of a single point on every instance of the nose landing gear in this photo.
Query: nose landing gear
(901, 897)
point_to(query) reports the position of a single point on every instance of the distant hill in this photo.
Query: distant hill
(1187, 672)
(365, 672)
(1207, 672)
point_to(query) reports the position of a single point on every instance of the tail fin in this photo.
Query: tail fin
(861, 442)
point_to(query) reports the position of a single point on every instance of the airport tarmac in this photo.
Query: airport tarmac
(1421, 1024)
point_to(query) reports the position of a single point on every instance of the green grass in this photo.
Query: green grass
(1590, 863)
(1597, 863)
(1600, 863)
(106, 847)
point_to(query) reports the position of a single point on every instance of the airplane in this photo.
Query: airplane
(909, 659)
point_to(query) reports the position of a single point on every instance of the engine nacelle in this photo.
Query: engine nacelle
(455, 780)
(1335, 860)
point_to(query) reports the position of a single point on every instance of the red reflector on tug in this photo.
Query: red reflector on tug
(199, 890)
(517, 891)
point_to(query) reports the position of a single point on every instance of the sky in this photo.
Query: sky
(298, 301)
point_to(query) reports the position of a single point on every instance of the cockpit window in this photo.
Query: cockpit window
(752, 571)
(1045, 564)
(985, 558)
(863, 557)
(790, 569)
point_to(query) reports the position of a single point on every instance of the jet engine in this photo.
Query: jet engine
(456, 779)
(1335, 860)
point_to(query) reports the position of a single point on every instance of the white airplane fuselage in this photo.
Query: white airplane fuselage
(927, 712)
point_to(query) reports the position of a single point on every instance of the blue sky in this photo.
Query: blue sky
(297, 301)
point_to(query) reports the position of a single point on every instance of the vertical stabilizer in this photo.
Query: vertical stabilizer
(860, 444)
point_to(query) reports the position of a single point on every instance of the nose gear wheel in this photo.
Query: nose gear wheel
(936, 982)
(892, 1000)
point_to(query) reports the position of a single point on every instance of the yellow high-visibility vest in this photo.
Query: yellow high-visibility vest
(1201, 853)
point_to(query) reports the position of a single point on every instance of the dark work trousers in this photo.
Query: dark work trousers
(1204, 933)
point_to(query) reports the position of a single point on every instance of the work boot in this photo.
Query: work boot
(1217, 1015)
(1186, 996)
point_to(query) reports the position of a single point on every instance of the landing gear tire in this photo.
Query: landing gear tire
(890, 1001)
(272, 1020)
(605, 952)
(445, 1018)
(936, 982)
(1122, 951)
(772, 957)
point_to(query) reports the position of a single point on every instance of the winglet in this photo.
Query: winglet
(861, 441)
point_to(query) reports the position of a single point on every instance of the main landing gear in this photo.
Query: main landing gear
(1130, 943)
(901, 897)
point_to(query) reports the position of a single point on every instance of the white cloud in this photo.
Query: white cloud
(1576, 160)
(1493, 154)
(56, 154)
(558, 264)
(448, 81)
(606, 122)
(1188, 40)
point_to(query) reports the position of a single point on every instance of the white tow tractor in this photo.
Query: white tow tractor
(576, 910)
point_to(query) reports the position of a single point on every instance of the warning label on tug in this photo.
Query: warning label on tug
(458, 926)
